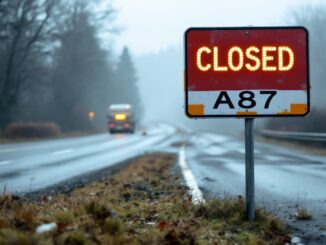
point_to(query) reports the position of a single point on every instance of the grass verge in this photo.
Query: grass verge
(144, 203)
(32, 130)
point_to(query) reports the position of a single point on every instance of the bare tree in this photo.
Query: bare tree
(314, 19)
(25, 32)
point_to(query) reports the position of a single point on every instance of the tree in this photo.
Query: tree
(52, 66)
(314, 19)
(25, 31)
(82, 72)
(126, 82)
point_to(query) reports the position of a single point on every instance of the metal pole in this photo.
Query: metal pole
(250, 172)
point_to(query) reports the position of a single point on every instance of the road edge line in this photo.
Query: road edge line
(5, 162)
(197, 195)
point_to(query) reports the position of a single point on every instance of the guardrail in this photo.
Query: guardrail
(307, 137)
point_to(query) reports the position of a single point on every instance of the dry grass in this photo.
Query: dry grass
(142, 204)
(32, 130)
(303, 214)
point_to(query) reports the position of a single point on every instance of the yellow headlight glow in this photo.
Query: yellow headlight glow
(120, 117)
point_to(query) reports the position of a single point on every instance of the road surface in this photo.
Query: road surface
(285, 179)
(31, 166)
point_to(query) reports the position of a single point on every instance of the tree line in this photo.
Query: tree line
(54, 67)
(313, 17)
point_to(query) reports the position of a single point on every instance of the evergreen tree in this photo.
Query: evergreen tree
(127, 83)
(81, 76)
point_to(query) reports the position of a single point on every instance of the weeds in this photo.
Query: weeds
(303, 214)
(113, 226)
(13, 237)
(63, 217)
(99, 211)
(76, 238)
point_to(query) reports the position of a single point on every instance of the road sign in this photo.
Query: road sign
(246, 72)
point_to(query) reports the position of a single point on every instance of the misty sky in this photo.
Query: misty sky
(152, 25)
(153, 30)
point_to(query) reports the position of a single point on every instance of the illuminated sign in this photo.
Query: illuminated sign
(246, 72)
(251, 54)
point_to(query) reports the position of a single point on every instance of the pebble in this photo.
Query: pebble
(296, 240)
(46, 227)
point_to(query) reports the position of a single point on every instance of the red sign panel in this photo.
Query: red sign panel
(246, 72)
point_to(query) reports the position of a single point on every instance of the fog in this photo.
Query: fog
(162, 91)
(161, 75)
(62, 61)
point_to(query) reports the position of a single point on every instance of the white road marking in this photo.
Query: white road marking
(273, 158)
(62, 152)
(9, 150)
(197, 195)
(243, 150)
(5, 162)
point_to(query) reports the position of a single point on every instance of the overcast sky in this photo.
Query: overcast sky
(153, 25)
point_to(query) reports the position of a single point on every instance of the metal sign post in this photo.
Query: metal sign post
(250, 172)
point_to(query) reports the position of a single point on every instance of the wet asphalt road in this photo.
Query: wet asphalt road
(280, 173)
(31, 166)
